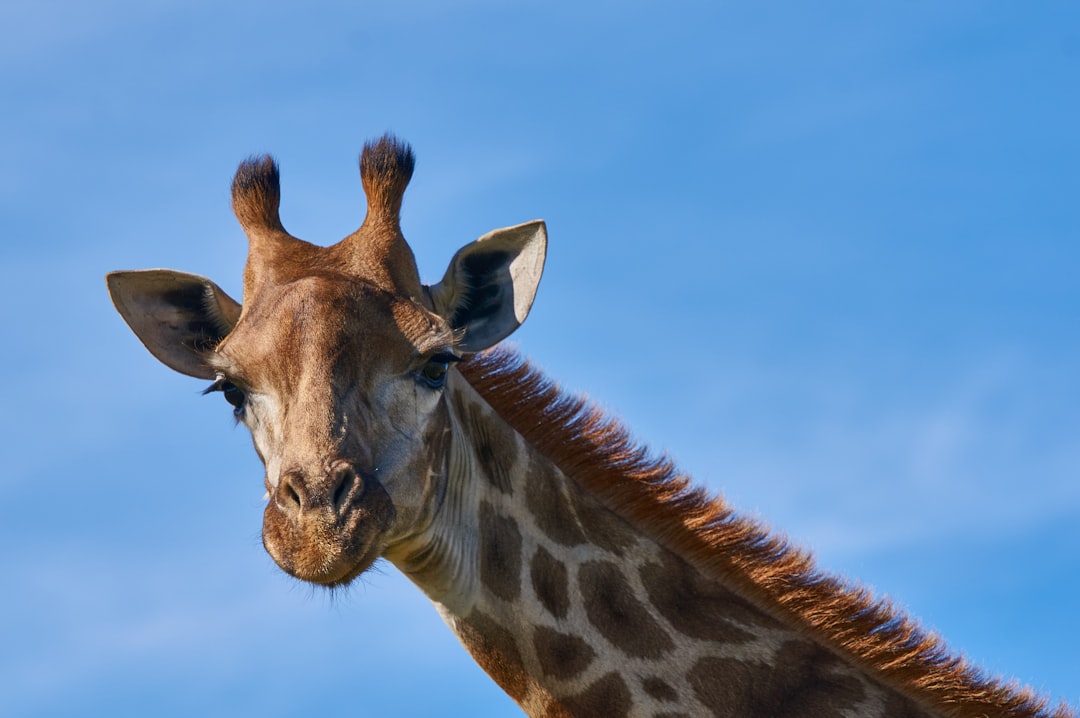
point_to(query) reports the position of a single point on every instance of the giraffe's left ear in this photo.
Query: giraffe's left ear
(490, 285)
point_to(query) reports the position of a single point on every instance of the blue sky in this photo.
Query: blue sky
(825, 254)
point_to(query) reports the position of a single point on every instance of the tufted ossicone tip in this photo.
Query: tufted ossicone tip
(386, 166)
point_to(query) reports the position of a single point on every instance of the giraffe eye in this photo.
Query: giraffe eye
(434, 373)
(234, 396)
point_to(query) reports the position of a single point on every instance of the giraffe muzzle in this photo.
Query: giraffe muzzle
(327, 528)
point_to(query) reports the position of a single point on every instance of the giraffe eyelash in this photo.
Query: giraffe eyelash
(218, 385)
(236, 396)
(445, 357)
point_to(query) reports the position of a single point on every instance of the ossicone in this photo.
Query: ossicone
(386, 166)
(256, 194)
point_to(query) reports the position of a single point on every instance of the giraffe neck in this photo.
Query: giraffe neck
(574, 612)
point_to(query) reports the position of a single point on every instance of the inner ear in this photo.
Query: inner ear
(489, 287)
(487, 281)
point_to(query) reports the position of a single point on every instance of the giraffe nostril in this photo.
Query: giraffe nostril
(345, 479)
(288, 495)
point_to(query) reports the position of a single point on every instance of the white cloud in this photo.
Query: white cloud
(854, 465)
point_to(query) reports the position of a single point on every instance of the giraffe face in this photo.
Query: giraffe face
(342, 386)
(338, 360)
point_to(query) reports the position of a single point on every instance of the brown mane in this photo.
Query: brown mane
(597, 451)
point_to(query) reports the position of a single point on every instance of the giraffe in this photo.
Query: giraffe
(586, 577)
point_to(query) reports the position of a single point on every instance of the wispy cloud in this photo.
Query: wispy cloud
(852, 465)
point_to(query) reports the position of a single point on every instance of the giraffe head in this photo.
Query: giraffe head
(339, 360)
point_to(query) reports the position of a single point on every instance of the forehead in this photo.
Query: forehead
(327, 315)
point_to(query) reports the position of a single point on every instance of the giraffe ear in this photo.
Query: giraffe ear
(179, 317)
(490, 285)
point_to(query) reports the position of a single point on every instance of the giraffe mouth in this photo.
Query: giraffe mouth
(329, 544)
(345, 573)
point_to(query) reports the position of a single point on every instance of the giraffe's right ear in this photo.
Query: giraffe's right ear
(179, 317)
(490, 285)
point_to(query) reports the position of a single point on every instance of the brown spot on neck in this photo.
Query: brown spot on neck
(608, 697)
(495, 445)
(561, 655)
(500, 553)
(550, 582)
(660, 689)
(699, 608)
(801, 681)
(570, 516)
(551, 509)
(494, 649)
(619, 616)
